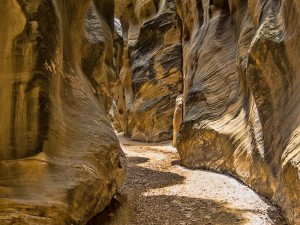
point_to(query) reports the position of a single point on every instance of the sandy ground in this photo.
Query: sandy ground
(159, 191)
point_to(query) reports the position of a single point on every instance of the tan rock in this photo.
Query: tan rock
(151, 74)
(177, 119)
(60, 161)
(97, 62)
(241, 104)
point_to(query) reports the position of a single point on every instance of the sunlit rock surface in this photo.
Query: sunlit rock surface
(241, 94)
(60, 160)
(151, 75)
(177, 119)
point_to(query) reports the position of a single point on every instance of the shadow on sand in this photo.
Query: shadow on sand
(131, 207)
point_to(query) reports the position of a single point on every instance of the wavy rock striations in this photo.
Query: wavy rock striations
(151, 76)
(96, 60)
(241, 98)
(60, 161)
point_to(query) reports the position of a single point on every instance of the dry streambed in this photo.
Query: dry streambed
(159, 191)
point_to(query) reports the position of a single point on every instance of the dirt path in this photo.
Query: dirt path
(159, 191)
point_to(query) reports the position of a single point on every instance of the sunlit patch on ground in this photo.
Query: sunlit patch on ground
(159, 191)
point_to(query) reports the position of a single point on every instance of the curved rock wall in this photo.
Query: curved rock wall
(100, 74)
(97, 62)
(151, 75)
(235, 62)
(241, 98)
(60, 161)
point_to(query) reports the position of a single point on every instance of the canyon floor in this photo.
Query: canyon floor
(159, 191)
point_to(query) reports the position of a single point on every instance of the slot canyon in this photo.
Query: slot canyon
(140, 112)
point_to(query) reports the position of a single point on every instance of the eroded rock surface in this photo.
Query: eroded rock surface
(151, 76)
(60, 161)
(241, 98)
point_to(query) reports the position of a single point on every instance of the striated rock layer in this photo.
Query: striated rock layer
(241, 98)
(60, 161)
(151, 76)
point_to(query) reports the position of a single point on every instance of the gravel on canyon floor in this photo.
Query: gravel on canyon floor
(159, 191)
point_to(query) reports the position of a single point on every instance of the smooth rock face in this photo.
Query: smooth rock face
(241, 98)
(151, 75)
(177, 119)
(94, 60)
(60, 161)
(97, 61)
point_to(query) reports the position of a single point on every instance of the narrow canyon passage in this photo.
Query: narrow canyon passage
(218, 79)
(159, 191)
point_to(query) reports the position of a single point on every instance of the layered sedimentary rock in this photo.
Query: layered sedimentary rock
(151, 76)
(97, 62)
(93, 60)
(241, 98)
(60, 161)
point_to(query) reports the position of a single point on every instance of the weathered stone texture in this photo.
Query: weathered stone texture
(241, 98)
(60, 161)
(97, 62)
(151, 75)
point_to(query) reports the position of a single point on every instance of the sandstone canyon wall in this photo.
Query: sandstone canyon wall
(221, 75)
(151, 77)
(60, 161)
(241, 94)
